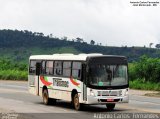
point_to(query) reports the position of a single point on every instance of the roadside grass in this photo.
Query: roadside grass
(13, 75)
(139, 84)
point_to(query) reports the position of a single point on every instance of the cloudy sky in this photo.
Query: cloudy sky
(110, 22)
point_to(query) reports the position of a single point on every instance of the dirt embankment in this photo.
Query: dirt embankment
(145, 93)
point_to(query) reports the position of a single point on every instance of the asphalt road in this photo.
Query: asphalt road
(14, 98)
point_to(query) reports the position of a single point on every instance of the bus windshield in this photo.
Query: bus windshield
(108, 75)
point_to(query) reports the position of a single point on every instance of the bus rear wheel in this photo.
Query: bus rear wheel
(76, 103)
(110, 106)
(46, 99)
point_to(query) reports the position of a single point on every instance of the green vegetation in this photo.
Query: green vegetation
(19, 45)
(12, 71)
(146, 69)
(139, 84)
(13, 75)
(145, 74)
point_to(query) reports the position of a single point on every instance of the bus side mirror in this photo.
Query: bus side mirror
(38, 68)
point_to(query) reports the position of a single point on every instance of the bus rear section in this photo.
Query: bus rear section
(80, 79)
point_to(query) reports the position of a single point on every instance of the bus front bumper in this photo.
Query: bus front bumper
(105, 100)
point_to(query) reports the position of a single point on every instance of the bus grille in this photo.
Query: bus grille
(109, 93)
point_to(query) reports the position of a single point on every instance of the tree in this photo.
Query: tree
(40, 34)
(92, 42)
(73, 40)
(157, 46)
(51, 35)
(150, 45)
(64, 38)
(80, 40)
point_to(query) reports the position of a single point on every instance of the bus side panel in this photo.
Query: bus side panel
(33, 84)
(59, 94)
(80, 92)
(61, 88)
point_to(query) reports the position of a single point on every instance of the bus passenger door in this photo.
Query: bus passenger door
(84, 82)
(38, 70)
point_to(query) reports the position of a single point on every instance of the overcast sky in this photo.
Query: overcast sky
(110, 22)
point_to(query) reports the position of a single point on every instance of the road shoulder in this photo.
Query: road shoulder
(143, 92)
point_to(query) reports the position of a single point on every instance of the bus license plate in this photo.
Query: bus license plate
(110, 100)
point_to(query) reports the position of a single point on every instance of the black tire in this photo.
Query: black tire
(53, 101)
(110, 107)
(75, 101)
(46, 99)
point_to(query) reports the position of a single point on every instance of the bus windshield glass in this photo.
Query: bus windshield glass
(108, 75)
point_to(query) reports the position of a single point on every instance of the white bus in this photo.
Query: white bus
(80, 79)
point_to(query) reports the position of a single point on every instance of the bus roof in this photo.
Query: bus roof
(79, 57)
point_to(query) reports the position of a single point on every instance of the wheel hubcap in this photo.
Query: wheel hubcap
(45, 97)
(76, 102)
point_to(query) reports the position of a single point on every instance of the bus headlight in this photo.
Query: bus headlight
(126, 92)
(92, 93)
(120, 93)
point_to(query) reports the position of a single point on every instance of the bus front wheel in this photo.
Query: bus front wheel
(110, 106)
(76, 103)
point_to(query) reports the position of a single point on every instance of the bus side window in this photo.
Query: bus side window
(49, 67)
(58, 68)
(32, 67)
(38, 68)
(43, 70)
(76, 70)
(67, 68)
